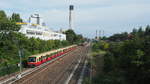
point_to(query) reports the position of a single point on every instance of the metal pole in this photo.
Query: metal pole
(20, 56)
(20, 61)
(19, 75)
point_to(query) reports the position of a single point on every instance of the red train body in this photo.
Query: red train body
(36, 60)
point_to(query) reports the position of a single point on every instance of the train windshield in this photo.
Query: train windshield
(32, 59)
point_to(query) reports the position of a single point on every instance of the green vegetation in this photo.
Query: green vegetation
(126, 60)
(72, 37)
(12, 41)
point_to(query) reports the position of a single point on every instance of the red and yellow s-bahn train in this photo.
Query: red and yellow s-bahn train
(36, 60)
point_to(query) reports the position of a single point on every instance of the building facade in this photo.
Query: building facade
(39, 31)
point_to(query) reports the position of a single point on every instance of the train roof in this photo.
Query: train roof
(50, 52)
(44, 54)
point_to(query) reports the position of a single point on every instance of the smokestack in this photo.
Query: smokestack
(99, 34)
(96, 35)
(71, 8)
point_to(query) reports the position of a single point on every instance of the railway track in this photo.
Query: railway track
(56, 72)
(77, 77)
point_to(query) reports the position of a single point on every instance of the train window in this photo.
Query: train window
(51, 54)
(40, 59)
(37, 60)
(45, 57)
(32, 59)
(48, 55)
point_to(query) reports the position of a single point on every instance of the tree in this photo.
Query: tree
(134, 32)
(16, 17)
(79, 39)
(140, 32)
(119, 37)
(70, 36)
(147, 30)
(2, 15)
(7, 25)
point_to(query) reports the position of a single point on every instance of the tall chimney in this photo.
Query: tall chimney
(96, 35)
(71, 8)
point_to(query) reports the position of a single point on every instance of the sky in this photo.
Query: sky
(110, 16)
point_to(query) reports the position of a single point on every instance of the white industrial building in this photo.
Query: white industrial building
(39, 30)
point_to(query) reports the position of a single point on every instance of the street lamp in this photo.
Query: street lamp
(20, 56)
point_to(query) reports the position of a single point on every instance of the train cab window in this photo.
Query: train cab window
(32, 59)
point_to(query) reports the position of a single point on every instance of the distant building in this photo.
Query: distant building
(37, 29)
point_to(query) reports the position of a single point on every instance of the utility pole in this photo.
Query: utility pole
(20, 64)
(20, 60)
(20, 56)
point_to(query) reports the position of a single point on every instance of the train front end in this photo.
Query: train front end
(32, 62)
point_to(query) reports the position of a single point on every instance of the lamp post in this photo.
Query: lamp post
(20, 64)
(20, 58)
(20, 61)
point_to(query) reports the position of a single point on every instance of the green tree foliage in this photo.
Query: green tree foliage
(16, 18)
(119, 37)
(72, 37)
(147, 31)
(10, 44)
(100, 45)
(7, 25)
(12, 41)
(3, 15)
(127, 61)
